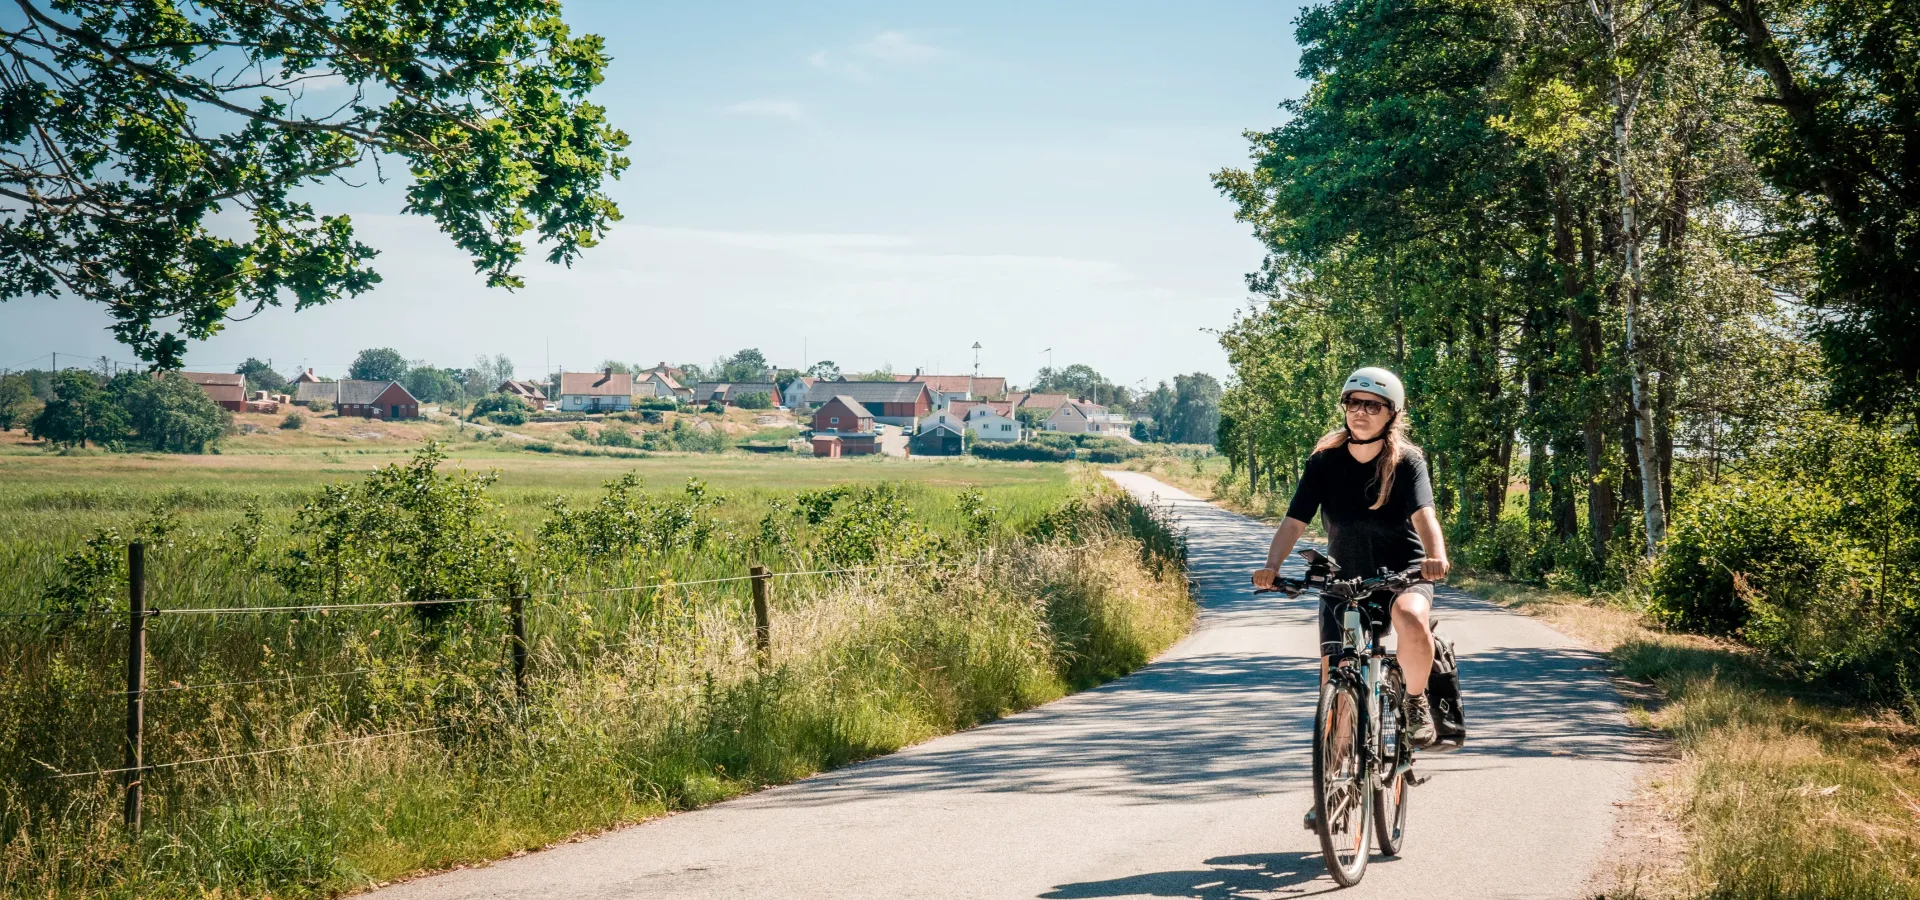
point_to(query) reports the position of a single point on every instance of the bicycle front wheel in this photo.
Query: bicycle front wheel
(1390, 799)
(1341, 795)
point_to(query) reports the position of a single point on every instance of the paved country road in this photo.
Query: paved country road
(1185, 779)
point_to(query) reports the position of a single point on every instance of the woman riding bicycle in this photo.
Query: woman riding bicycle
(1372, 485)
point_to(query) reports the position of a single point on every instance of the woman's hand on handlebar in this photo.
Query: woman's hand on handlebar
(1269, 580)
(1435, 568)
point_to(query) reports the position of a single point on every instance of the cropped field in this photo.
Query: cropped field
(970, 590)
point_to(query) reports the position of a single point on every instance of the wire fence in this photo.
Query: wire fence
(108, 612)
(148, 767)
(349, 673)
(138, 613)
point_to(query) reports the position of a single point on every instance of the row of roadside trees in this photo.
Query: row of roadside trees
(1637, 260)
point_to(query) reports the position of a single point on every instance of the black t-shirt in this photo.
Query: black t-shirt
(1359, 538)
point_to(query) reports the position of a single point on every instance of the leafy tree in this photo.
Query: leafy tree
(615, 366)
(1447, 201)
(431, 385)
(170, 413)
(80, 411)
(487, 375)
(127, 132)
(378, 364)
(825, 370)
(261, 376)
(16, 400)
(1031, 417)
(1195, 417)
(1835, 139)
(747, 365)
(1157, 406)
(1081, 382)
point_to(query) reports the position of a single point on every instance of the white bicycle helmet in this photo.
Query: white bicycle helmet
(1375, 380)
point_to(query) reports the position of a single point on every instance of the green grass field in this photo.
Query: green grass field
(641, 700)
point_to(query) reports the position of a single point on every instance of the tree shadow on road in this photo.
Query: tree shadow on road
(1240, 877)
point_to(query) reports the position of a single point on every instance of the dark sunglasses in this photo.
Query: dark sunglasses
(1370, 407)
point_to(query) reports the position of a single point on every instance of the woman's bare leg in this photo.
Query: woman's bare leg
(1415, 642)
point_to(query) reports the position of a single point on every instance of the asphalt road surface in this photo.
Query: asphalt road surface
(1186, 779)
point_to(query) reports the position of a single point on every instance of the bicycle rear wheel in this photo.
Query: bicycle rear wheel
(1341, 792)
(1390, 800)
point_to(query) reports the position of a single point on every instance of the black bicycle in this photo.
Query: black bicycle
(1362, 761)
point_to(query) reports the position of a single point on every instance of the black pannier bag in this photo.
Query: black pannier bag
(1443, 697)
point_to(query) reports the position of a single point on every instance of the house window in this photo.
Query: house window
(833, 420)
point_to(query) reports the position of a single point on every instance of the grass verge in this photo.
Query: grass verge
(1785, 791)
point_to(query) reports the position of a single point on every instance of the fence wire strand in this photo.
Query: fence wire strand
(210, 759)
(682, 584)
(323, 607)
(221, 684)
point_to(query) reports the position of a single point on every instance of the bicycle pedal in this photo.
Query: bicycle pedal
(1309, 822)
(1417, 780)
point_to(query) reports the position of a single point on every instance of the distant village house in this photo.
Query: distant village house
(225, 389)
(1080, 417)
(892, 402)
(534, 395)
(730, 392)
(366, 399)
(603, 391)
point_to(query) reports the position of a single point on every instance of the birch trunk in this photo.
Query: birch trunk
(1624, 102)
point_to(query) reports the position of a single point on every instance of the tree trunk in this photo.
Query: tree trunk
(1253, 468)
(1646, 458)
(1566, 522)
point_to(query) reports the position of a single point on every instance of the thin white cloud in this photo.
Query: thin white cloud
(899, 48)
(773, 109)
(887, 49)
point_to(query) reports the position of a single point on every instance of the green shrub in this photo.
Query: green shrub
(502, 403)
(664, 404)
(406, 532)
(1804, 554)
(293, 421)
(615, 436)
(716, 407)
(508, 417)
(580, 433)
(755, 400)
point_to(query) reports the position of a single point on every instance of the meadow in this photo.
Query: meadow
(954, 592)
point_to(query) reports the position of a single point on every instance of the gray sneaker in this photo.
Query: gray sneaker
(1419, 719)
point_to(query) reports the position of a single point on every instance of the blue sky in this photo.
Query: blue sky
(868, 183)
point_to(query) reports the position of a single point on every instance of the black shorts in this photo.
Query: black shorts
(1330, 622)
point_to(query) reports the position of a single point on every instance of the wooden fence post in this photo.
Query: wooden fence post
(518, 605)
(762, 620)
(136, 678)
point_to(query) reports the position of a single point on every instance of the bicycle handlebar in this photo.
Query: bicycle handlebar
(1355, 587)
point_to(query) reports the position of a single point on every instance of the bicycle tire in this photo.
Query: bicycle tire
(1341, 789)
(1390, 801)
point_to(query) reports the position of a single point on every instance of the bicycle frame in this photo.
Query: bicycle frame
(1364, 661)
(1362, 658)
